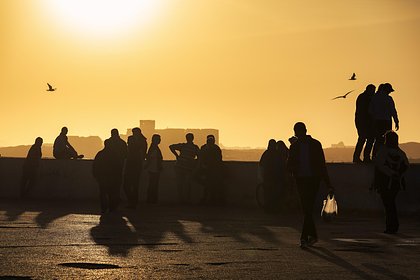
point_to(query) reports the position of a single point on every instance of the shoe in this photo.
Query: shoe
(357, 160)
(303, 244)
(311, 240)
(367, 160)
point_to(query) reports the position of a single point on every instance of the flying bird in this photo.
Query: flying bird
(343, 96)
(353, 77)
(50, 88)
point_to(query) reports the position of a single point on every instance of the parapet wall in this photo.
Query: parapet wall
(67, 179)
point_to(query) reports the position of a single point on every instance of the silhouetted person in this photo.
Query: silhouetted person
(364, 125)
(31, 166)
(137, 149)
(154, 161)
(283, 152)
(390, 165)
(270, 166)
(62, 148)
(186, 155)
(211, 168)
(382, 109)
(292, 140)
(307, 164)
(107, 172)
(118, 148)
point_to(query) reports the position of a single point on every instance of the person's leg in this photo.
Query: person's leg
(308, 188)
(392, 208)
(359, 145)
(127, 185)
(180, 178)
(391, 217)
(378, 138)
(103, 197)
(268, 186)
(136, 185)
(187, 185)
(381, 127)
(24, 183)
(152, 192)
(368, 149)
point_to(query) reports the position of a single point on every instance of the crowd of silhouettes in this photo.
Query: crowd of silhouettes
(120, 164)
(375, 112)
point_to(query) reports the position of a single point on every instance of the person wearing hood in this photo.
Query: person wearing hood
(390, 165)
(31, 166)
(270, 165)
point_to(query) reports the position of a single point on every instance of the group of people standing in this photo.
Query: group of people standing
(121, 164)
(305, 162)
(373, 118)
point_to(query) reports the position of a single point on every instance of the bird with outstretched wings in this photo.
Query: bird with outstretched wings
(50, 88)
(342, 96)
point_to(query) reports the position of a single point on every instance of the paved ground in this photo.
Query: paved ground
(65, 240)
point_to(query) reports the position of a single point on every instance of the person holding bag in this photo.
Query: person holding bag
(307, 163)
(390, 165)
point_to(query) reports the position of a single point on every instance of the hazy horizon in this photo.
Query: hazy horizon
(249, 69)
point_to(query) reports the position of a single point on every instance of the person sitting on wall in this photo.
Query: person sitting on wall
(62, 148)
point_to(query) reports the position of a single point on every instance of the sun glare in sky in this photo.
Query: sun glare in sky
(103, 17)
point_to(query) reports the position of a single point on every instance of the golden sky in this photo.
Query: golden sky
(249, 68)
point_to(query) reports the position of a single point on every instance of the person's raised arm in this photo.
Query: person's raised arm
(174, 148)
(395, 115)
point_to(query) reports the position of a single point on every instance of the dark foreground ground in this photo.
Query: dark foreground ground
(70, 240)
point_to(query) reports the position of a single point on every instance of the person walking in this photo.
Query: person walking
(136, 153)
(307, 163)
(364, 125)
(186, 155)
(382, 108)
(390, 165)
(154, 161)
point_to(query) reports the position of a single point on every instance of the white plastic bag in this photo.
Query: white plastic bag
(330, 208)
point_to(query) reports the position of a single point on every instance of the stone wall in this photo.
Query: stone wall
(66, 179)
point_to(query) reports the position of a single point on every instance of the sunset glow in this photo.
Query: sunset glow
(103, 17)
(248, 68)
